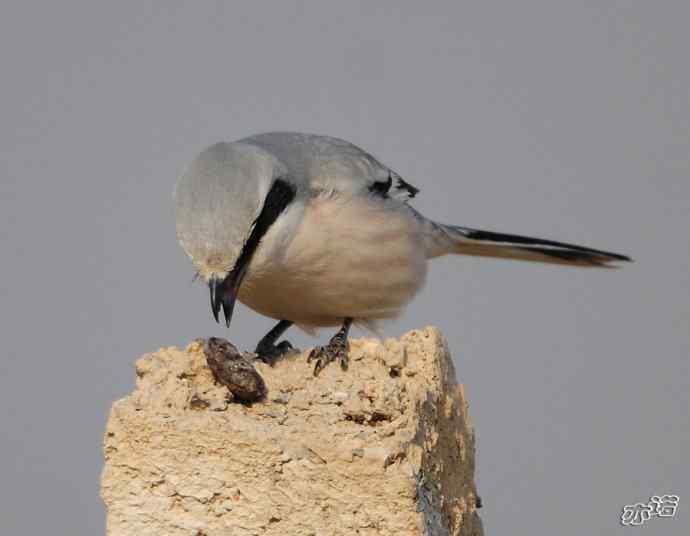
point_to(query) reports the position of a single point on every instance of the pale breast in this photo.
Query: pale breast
(361, 258)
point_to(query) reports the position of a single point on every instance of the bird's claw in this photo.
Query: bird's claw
(337, 348)
(272, 353)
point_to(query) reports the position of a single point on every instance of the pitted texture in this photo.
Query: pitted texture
(386, 448)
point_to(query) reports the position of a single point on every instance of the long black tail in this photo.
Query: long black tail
(442, 239)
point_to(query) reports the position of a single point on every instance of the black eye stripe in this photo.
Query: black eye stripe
(279, 197)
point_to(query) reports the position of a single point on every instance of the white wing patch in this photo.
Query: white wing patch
(394, 187)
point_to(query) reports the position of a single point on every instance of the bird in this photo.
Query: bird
(313, 231)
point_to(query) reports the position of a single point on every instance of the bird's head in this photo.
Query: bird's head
(225, 202)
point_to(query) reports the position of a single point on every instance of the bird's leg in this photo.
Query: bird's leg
(268, 351)
(336, 348)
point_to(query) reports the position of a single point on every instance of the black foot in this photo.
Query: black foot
(271, 353)
(337, 348)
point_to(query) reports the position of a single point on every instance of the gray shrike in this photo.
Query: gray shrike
(314, 231)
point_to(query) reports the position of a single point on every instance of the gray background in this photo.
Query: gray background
(567, 120)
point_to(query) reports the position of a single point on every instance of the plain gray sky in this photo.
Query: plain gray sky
(568, 120)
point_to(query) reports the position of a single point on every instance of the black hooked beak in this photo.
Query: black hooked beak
(224, 293)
